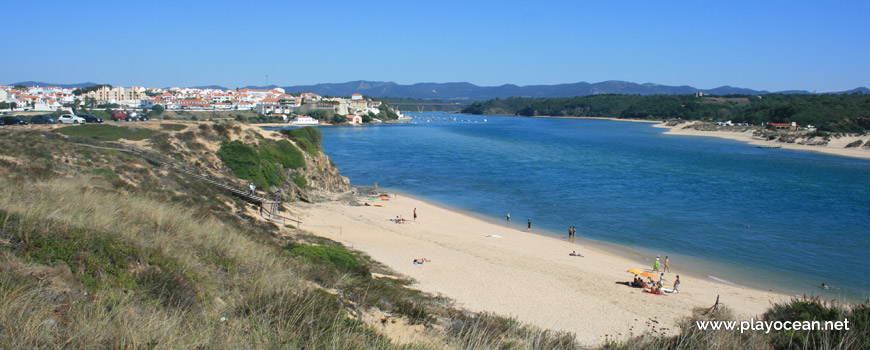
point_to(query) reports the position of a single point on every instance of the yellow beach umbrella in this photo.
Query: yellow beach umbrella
(635, 271)
(648, 274)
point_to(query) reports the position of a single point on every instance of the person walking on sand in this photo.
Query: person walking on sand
(529, 225)
(667, 264)
(656, 265)
(415, 214)
(677, 284)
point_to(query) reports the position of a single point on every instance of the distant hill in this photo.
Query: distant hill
(860, 90)
(464, 91)
(64, 86)
(208, 87)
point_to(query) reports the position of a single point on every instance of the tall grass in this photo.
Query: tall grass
(255, 289)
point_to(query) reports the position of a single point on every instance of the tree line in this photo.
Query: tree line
(848, 113)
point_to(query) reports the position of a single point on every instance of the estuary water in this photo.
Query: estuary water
(769, 218)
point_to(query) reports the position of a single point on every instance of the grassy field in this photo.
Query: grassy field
(106, 132)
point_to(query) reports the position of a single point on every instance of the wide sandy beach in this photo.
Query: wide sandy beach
(520, 274)
(836, 146)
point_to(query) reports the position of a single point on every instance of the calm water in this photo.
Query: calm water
(771, 218)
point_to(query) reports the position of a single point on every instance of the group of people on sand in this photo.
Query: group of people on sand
(655, 287)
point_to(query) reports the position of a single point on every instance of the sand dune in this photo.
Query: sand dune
(836, 146)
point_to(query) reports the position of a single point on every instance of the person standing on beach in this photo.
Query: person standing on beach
(509, 218)
(415, 214)
(667, 264)
(570, 231)
(529, 226)
(656, 265)
(677, 284)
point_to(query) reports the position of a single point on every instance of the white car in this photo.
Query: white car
(70, 119)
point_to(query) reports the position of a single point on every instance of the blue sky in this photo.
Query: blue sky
(770, 45)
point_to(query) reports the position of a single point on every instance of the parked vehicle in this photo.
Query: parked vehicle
(90, 118)
(13, 120)
(71, 119)
(43, 119)
(134, 116)
(119, 115)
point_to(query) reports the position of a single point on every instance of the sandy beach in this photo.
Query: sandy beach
(487, 266)
(836, 146)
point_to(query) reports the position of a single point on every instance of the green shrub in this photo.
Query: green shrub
(173, 127)
(96, 260)
(307, 138)
(109, 175)
(337, 257)
(282, 152)
(244, 162)
(300, 181)
(107, 132)
(857, 143)
(264, 165)
(815, 309)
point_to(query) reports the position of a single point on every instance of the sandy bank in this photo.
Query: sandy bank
(836, 146)
(602, 118)
(528, 276)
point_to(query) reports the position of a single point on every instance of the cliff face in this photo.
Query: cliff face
(321, 180)
(288, 165)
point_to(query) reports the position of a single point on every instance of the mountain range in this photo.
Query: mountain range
(464, 91)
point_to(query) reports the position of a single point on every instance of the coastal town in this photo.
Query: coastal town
(293, 108)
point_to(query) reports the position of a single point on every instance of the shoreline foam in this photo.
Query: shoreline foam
(527, 276)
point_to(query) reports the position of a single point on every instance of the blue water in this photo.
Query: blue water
(772, 218)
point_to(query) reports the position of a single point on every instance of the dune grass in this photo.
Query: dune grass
(107, 132)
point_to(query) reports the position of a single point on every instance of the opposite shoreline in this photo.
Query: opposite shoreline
(484, 266)
(836, 146)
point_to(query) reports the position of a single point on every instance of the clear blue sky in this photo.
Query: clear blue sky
(770, 45)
